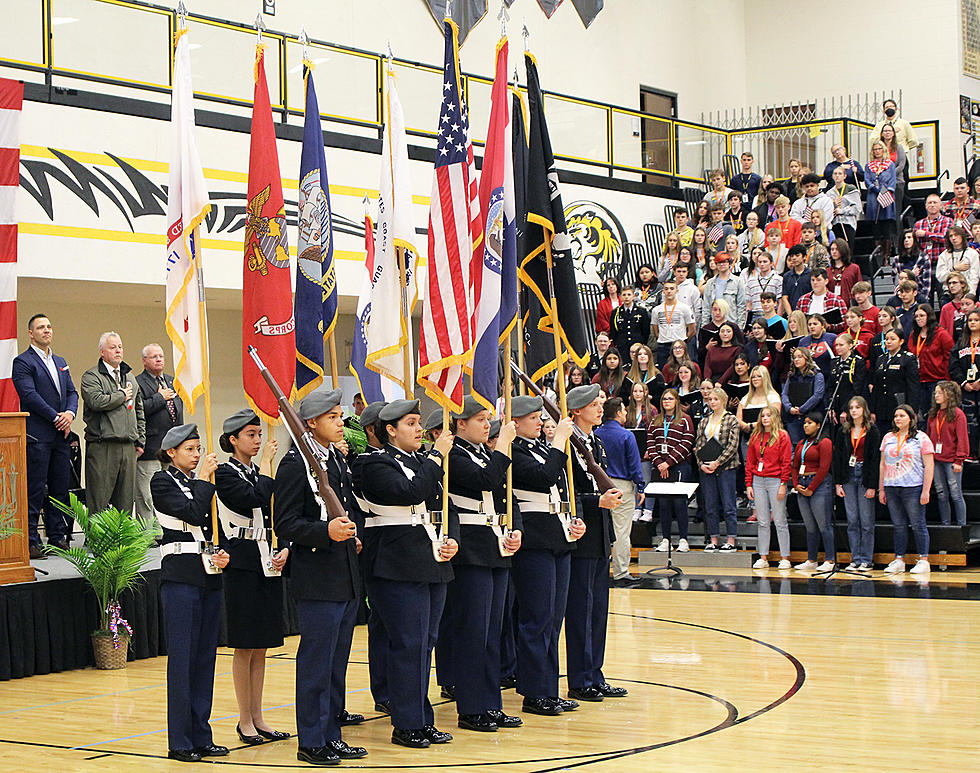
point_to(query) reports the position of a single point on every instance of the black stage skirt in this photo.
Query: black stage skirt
(253, 607)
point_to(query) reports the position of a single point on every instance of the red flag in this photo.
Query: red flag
(267, 298)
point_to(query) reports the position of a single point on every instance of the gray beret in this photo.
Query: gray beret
(581, 396)
(522, 405)
(433, 420)
(371, 412)
(177, 435)
(394, 410)
(494, 428)
(318, 402)
(239, 420)
(471, 407)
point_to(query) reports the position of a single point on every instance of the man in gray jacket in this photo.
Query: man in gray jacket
(115, 431)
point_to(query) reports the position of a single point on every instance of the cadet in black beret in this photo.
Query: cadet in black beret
(325, 581)
(252, 579)
(433, 426)
(588, 588)
(190, 591)
(540, 568)
(369, 422)
(406, 583)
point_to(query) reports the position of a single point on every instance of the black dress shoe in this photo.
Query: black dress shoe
(346, 718)
(448, 692)
(317, 755)
(273, 735)
(184, 755)
(626, 582)
(249, 740)
(546, 707)
(413, 739)
(567, 705)
(479, 722)
(434, 735)
(346, 752)
(383, 706)
(503, 720)
(212, 750)
(611, 692)
(36, 554)
(508, 682)
(60, 543)
(591, 694)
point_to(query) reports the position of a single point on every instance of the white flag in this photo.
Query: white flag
(388, 332)
(187, 206)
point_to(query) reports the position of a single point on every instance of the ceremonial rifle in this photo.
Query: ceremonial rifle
(302, 438)
(603, 481)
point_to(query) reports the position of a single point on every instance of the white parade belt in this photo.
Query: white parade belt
(180, 548)
(406, 515)
(238, 526)
(541, 503)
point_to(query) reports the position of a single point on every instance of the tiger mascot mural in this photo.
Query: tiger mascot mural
(597, 239)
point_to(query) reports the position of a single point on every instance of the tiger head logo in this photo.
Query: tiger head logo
(597, 239)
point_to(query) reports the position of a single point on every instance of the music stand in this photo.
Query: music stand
(678, 489)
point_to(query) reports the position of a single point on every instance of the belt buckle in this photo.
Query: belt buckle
(435, 517)
(177, 548)
(491, 519)
(415, 516)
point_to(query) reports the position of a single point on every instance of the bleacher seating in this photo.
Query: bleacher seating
(654, 234)
(634, 256)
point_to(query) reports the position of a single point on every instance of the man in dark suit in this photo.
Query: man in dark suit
(162, 410)
(47, 393)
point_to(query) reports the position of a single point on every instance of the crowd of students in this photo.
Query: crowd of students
(751, 355)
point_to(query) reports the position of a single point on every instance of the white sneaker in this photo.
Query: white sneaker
(647, 516)
(826, 566)
(785, 564)
(895, 567)
(683, 547)
(865, 567)
(761, 564)
(921, 567)
(636, 514)
(852, 567)
(663, 547)
(806, 566)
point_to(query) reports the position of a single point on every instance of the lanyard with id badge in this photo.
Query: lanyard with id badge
(806, 447)
(940, 420)
(852, 462)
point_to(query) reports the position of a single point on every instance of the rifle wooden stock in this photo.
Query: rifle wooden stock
(601, 478)
(303, 438)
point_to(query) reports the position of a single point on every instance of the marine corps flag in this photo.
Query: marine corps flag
(267, 303)
(546, 220)
(315, 308)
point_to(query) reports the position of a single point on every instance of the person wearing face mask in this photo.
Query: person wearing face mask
(904, 132)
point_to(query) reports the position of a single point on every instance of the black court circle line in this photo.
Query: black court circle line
(587, 759)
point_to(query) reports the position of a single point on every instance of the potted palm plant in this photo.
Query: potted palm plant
(116, 548)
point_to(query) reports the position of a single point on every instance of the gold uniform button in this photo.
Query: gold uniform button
(313, 550)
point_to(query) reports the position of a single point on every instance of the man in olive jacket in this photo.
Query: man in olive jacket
(115, 431)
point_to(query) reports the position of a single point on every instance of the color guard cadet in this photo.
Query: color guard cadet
(377, 638)
(190, 591)
(407, 561)
(540, 568)
(478, 489)
(253, 577)
(588, 588)
(325, 581)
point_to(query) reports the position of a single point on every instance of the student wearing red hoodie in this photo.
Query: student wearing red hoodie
(931, 345)
(811, 465)
(948, 432)
(767, 475)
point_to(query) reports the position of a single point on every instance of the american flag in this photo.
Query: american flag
(716, 232)
(455, 242)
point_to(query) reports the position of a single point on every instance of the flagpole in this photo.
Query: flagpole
(206, 371)
(407, 319)
(444, 525)
(508, 387)
(335, 375)
(559, 370)
(520, 347)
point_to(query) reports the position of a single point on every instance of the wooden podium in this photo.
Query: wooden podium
(14, 563)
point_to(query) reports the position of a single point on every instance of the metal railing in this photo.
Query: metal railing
(55, 45)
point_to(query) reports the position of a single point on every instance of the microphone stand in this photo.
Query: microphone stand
(837, 569)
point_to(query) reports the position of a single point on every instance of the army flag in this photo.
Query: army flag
(315, 304)
(267, 303)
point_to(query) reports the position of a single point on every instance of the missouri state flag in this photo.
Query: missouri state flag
(267, 298)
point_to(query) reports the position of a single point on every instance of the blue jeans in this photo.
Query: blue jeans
(674, 507)
(818, 516)
(663, 354)
(719, 497)
(860, 518)
(904, 509)
(949, 488)
(794, 428)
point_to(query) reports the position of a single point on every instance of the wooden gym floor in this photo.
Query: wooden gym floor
(727, 671)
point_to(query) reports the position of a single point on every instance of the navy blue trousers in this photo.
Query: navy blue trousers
(445, 676)
(477, 597)
(541, 581)
(191, 619)
(48, 464)
(585, 621)
(377, 655)
(410, 612)
(325, 630)
(508, 633)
